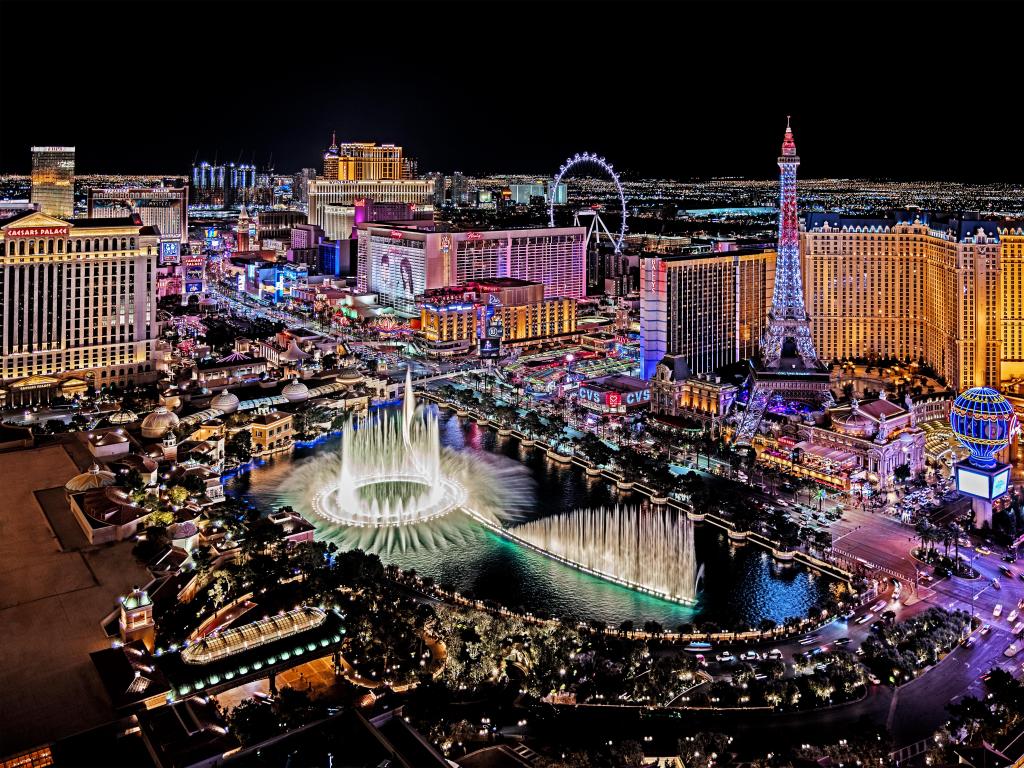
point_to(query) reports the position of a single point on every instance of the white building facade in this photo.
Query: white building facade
(400, 262)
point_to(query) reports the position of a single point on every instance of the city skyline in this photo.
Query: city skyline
(539, 384)
(500, 106)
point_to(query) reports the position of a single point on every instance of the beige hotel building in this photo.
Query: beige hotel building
(912, 286)
(77, 297)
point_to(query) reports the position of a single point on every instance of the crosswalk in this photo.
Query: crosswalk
(911, 751)
(526, 754)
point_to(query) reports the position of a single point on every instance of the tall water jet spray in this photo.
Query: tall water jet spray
(390, 472)
(650, 550)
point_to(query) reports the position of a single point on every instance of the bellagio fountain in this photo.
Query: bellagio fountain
(395, 487)
(391, 472)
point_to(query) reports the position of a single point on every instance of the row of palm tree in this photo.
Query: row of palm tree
(947, 536)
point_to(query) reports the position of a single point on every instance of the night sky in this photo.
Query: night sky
(900, 91)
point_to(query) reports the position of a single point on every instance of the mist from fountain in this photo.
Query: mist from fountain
(393, 487)
(647, 549)
(390, 472)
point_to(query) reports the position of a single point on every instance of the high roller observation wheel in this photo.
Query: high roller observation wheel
(587, 158)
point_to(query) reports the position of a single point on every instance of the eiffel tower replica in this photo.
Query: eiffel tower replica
(788, 364)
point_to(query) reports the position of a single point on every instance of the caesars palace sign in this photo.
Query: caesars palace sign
(37, 232)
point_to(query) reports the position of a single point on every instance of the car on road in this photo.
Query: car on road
(985, 629)
(996, 584)
(1012, 650)
(1009, 558)
(1007, 571)
(774, 655)
(984, 551)
(878, 606)
(1018, 627)
(842, 641)
(865, 618)
(873, 680)
(997, 611)
(877, 626)
(1011, 616)
(969, 642)
(750, 656)
(725, 657)
(808, 640)
(848, 615)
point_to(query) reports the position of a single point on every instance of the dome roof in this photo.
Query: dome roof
(93, 478)
(123, 417)
(295, 391)
(851, 421)
(225, 401)
(137, 598)
(349, 376)
(159, 422)
(984, 423)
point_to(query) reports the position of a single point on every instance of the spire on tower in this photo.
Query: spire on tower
(788, 143)
(334, 140)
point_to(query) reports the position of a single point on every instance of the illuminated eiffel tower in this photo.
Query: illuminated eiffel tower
(789, 364)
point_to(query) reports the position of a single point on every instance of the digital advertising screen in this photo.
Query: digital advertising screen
(971, 482)
(490, 348)
(170, 251)
(1000, 482)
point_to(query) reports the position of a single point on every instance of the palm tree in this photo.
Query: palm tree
(954, 531)
(924, 530)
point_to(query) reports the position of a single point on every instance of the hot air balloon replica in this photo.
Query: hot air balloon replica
(983, 422)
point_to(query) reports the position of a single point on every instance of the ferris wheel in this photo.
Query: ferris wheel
(592, 160)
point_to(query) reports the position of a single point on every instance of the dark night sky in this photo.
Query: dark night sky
(905, 91)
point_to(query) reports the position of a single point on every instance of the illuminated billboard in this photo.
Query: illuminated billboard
(1000, 482)
(170, 251)
(490, 348)
(982, 484)
(615, 399)
(971, 482)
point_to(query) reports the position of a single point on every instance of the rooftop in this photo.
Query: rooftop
(129, 675)
(266, 419)
(616, 383)
(962, 225)
(426, 226)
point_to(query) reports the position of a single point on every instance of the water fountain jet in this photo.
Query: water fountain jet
(649, 550)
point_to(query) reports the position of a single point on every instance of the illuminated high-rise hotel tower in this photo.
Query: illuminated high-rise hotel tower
(53, 180)
(789, 365)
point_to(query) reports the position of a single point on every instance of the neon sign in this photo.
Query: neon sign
(37, 232)
(615, 399)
